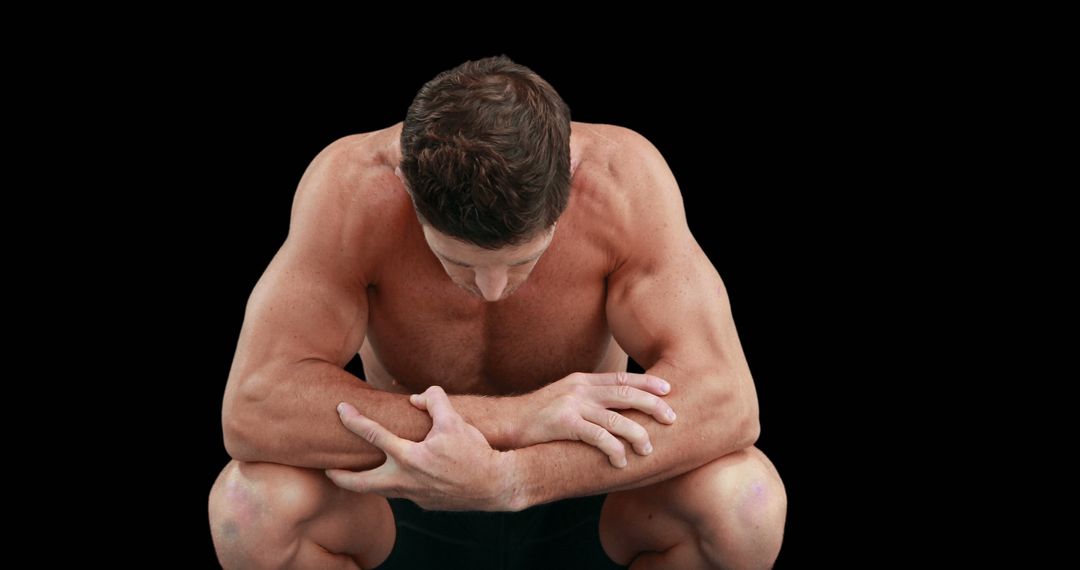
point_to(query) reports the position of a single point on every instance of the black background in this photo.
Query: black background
(773, 155)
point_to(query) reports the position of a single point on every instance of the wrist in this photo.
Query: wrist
(513, 496)
(493, 417)
(510, 412)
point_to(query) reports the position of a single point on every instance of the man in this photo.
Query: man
(494, 264)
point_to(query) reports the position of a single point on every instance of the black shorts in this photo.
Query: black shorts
(563, 534)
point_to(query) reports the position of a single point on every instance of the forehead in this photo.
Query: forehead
(469, 253)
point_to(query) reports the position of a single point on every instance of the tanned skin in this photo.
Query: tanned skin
(495, 379)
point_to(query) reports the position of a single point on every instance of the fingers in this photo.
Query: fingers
(626, 397)
(376, 480)
(617, 424)
(647, 382)
(600, 438)
(372, 431)
(438, 405)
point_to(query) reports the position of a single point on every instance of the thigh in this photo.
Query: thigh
(641, 520)
(657, 517)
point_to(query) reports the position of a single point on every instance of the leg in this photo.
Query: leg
(726, 514)
(265, 515)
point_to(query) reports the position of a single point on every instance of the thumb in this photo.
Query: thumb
(418, 401)
(380, 480)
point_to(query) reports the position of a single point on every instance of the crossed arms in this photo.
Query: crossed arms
(666, 306)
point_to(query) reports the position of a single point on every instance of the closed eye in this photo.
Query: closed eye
(519, 264)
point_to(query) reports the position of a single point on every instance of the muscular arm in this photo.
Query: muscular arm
(668, 308)
(306, 318)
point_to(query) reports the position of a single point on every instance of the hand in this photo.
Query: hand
(454, 468)
(577, 408)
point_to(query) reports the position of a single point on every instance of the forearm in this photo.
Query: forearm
(711, 423)
(291, 418)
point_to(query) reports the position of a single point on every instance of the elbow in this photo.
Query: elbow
(738, 427)
(750, 431)
(239, 421)
(237, 443)
(750, 422)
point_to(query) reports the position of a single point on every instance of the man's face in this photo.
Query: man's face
(489, 274)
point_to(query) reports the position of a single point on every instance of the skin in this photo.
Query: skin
(495, 379)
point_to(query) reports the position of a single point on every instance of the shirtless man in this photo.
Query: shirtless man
(494, 267)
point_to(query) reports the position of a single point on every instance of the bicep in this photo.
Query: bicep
(302, 309)
(311, 302)
(672, 306)
(665, 298)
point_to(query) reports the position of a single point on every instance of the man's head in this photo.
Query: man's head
(485, 156)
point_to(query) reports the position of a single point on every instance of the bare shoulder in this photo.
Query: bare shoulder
(629, 169)
(343, 180)
(343, 202)
(309, 303)
(643, 205)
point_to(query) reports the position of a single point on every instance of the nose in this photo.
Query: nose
(491, 283)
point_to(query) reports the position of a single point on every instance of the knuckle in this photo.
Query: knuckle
(624, 391)
(567, 417)
(566, 402)
(614, 420)
(576, 394)
(622, 378)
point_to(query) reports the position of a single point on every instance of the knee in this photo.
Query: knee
(740, 507)
(255, 509)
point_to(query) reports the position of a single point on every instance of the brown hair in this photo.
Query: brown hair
(485, 153)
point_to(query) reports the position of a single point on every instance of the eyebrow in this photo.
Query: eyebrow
(456, 262)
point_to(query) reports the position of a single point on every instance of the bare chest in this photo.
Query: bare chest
(423, 330)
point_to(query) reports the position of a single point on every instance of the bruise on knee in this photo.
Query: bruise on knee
(234, 511)
(758, 502)
(229, 530)
(748, 510)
